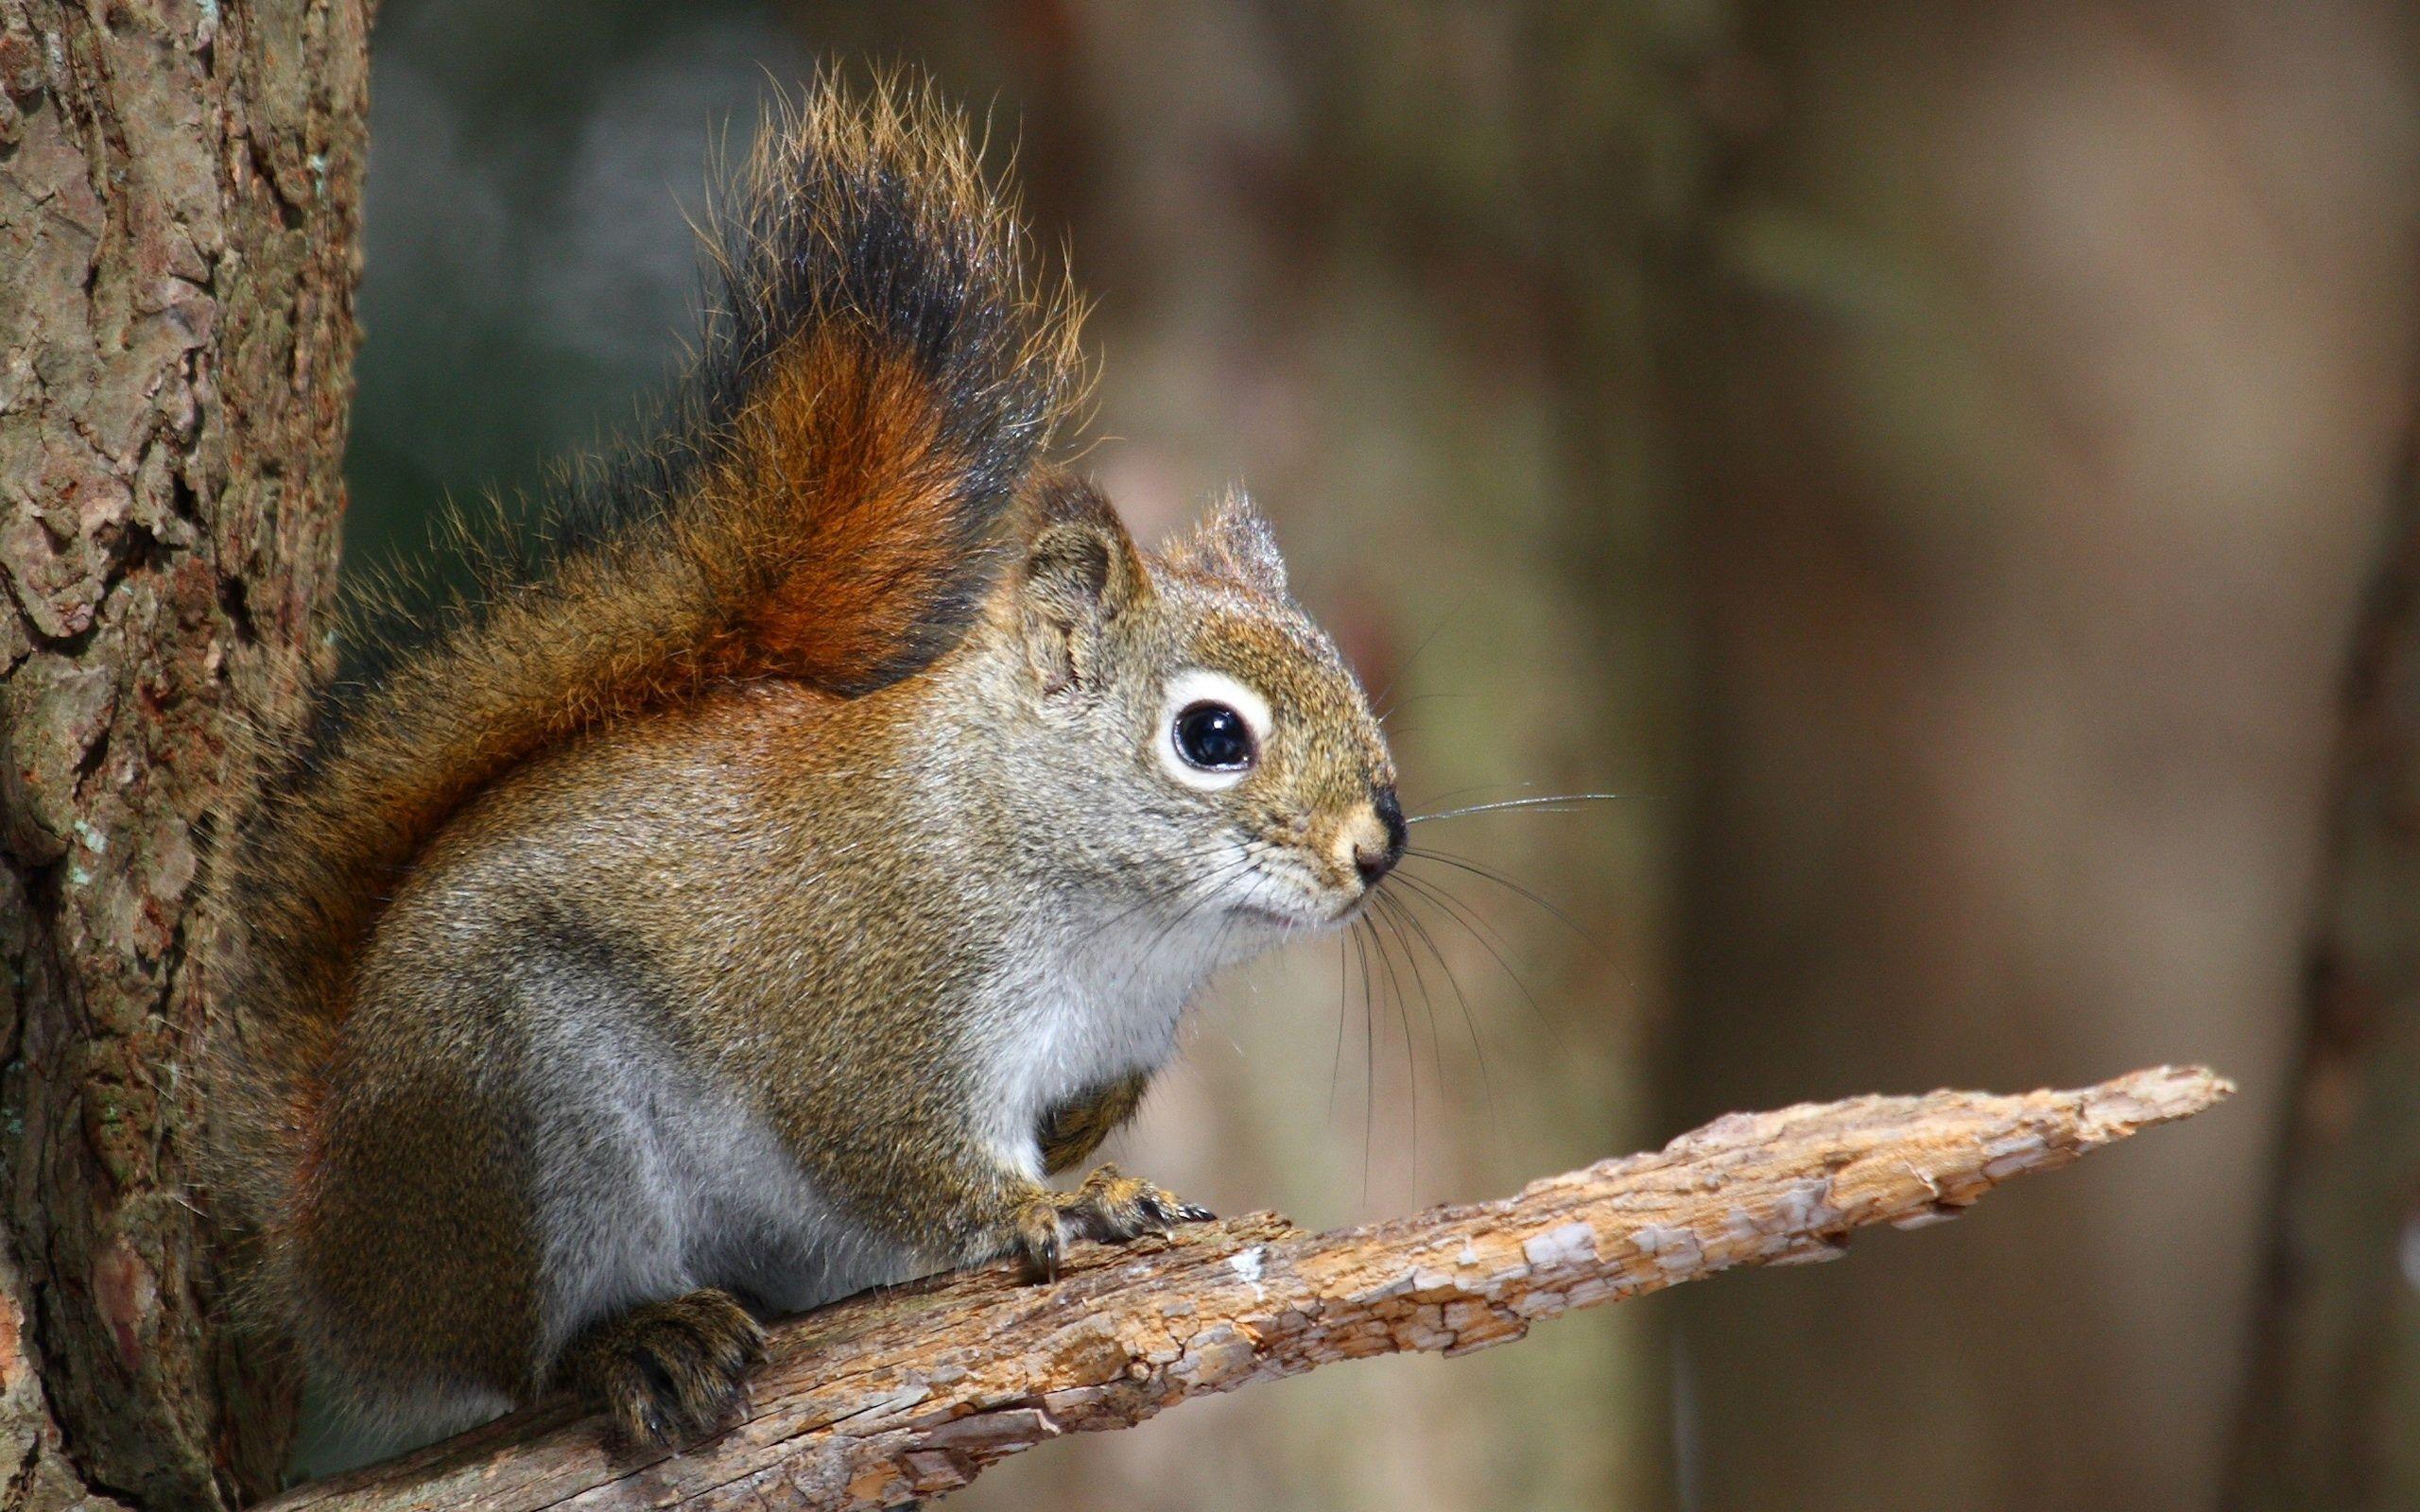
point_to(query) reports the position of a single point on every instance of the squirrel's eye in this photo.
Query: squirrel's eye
(1212, 729)
(1214, 737)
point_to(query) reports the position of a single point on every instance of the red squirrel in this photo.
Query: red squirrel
(795, 853)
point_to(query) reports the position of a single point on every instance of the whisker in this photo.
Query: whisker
(1381, 702)
(1463, 1002)
(1392, 912)
(1410, 1057)
(1477, 927)
(1451, 794)
(1475, 869)
(1199, 876)
(1336, 1061)
(1142, 957)
(1550, 803)
(1369, 1062)
(1188, 871)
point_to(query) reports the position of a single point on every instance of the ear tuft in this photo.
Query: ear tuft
(1081, 571)
(1232, 542)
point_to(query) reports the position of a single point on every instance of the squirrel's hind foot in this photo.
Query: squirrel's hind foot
(669, 1372)
(1109, 1207)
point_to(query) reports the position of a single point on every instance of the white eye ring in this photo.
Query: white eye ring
(1199, 685)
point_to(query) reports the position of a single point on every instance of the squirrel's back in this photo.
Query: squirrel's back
(877, 376)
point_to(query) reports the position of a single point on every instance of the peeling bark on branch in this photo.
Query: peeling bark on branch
(914, 1391)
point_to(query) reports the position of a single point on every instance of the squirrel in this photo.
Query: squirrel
(754, 889)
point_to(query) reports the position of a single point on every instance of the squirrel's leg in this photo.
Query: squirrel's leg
(670, 1372)
(1108, 1206)
(1071, 1131)
(936, 1191)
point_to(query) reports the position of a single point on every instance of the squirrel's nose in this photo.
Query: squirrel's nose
(1374, 856)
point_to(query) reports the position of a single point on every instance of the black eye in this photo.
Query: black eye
(1214, 737)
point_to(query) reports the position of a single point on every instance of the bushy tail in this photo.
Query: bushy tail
(877, 376)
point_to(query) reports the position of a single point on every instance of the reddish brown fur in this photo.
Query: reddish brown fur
(865, 541)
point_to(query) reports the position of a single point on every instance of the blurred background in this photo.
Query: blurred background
(1948, 467)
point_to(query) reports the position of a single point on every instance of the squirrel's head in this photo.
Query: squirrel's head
(1216, 753)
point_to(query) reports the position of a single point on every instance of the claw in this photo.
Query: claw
(673, 1371)
(1109, 1207)
(1042, 1238)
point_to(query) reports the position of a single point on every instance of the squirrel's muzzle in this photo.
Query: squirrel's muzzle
(1377, 836)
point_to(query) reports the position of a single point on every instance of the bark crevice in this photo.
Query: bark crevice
(174, 379)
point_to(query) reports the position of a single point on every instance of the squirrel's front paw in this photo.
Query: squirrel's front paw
(669, 1372)
(1108, 1206)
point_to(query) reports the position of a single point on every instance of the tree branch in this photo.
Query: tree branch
(913, 1391)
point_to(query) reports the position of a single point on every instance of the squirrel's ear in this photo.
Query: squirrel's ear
(1232, 542)
(1081, 571)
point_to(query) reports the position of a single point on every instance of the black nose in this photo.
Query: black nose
(1376, 864)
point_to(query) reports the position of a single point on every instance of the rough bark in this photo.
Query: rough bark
(2336, 1382)
(179, 184)
(912, 1392)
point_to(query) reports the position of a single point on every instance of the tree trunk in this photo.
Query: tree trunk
(2336, 1384)
(179, 193)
